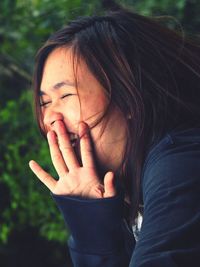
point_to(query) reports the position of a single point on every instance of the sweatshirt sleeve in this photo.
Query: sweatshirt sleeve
(170, 232)
(99, 235)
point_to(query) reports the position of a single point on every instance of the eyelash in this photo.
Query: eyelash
(43, 104)
(66, 95)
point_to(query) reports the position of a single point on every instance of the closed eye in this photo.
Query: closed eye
(66, 95)
(43, 104)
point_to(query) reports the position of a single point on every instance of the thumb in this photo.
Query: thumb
(109, 189)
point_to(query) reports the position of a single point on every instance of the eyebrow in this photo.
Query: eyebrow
(59, 85)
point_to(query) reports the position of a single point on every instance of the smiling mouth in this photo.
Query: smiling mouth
(74, 139)
(75, 143)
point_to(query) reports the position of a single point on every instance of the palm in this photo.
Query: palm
(82, 182)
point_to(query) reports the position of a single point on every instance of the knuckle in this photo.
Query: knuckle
(63, 135)
(88, 150)
(65, 148)
(46, 176)
(56, 156)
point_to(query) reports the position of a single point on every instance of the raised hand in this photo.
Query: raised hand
(74, 179)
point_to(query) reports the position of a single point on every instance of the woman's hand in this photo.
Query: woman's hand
(74, 179)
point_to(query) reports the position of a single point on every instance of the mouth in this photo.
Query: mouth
(74, 139)
(75, 143)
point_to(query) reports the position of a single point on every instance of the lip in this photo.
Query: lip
(76, 147)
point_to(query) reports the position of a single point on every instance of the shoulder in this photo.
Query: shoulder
(175, 159)
(172, 139)
(173, 143)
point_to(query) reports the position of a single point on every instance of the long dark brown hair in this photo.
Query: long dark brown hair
(150, 72)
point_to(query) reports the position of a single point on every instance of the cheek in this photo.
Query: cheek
(93, 107)
(71, 112)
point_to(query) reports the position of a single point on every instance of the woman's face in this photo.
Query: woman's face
(60, 101)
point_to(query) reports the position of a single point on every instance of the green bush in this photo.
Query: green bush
(30, 203)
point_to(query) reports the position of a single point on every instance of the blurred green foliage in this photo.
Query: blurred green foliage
(28, 202)
(24, 26)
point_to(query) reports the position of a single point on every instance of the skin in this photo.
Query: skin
(63, 114)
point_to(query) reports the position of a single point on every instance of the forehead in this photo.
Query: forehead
(58, 67)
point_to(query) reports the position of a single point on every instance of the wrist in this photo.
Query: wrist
(95, 224)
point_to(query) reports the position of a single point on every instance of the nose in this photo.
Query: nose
(51, 116)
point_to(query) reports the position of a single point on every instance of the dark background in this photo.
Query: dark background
(32, 232)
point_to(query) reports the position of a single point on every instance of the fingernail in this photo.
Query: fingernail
(31, 163)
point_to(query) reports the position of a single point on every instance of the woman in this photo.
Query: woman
(118, 97)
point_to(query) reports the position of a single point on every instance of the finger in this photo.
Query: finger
(85, 146)
(56, 155)
(65, 146)
(44, 177)
(109, 185)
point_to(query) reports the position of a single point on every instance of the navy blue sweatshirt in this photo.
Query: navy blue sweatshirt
(170, 231)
